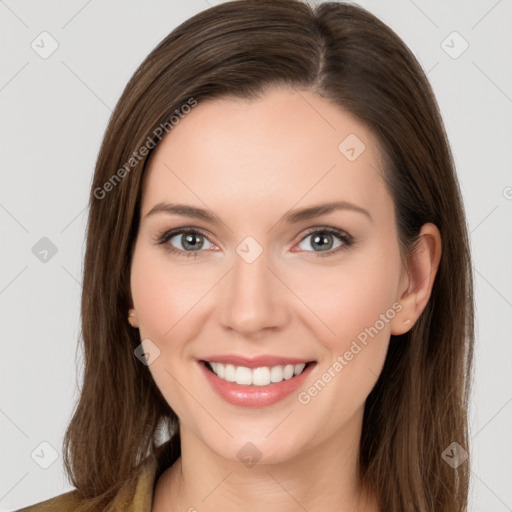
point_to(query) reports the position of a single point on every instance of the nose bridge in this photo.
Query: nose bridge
(252, 298)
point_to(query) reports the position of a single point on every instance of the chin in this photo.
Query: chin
(250, 449)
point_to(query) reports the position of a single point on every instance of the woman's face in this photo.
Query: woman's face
(269, 275)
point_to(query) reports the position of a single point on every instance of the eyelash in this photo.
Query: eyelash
(346, 239)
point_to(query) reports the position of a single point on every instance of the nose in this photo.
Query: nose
(252, 299)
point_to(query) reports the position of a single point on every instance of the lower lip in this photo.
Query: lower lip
(254, 396)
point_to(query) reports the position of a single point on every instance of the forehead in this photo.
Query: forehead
(284, 147)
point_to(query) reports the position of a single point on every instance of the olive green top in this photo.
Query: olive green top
(135, 496)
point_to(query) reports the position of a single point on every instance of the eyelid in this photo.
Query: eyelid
(327, 229)
(181, 229)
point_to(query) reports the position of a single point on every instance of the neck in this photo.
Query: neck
(322, 478)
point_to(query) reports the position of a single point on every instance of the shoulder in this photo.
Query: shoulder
(136, 494)
(61, 503)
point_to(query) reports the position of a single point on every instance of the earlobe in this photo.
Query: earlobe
(132, 318)
(399, 326)
(423, 265)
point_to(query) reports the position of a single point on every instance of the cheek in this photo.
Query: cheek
(366, 303)
(357, 308)
(164, 294)
(356, 303)
(347, 300)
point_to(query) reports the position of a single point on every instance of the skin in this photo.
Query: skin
(281, 154)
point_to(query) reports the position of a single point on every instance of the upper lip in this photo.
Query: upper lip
(255, 362)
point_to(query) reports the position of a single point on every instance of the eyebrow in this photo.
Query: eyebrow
(291, 217)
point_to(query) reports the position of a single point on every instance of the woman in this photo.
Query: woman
(277, 308)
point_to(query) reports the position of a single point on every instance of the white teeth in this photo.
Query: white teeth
(276, 374)
(229, 372)
(299, 368)
(243, 375)
(288, 371)
(261, 376)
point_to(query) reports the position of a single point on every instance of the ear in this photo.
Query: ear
(416, 284)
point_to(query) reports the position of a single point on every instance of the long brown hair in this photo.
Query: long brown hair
(345, 54)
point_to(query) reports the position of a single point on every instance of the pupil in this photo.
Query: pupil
(192, 241)
(322, 241)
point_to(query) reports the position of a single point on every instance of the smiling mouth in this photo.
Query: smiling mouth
(261, 376)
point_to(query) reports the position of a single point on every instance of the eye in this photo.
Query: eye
(190, 241)
(185, 241)
(325, 240)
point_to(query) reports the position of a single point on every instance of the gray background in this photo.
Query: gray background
(54, 112)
